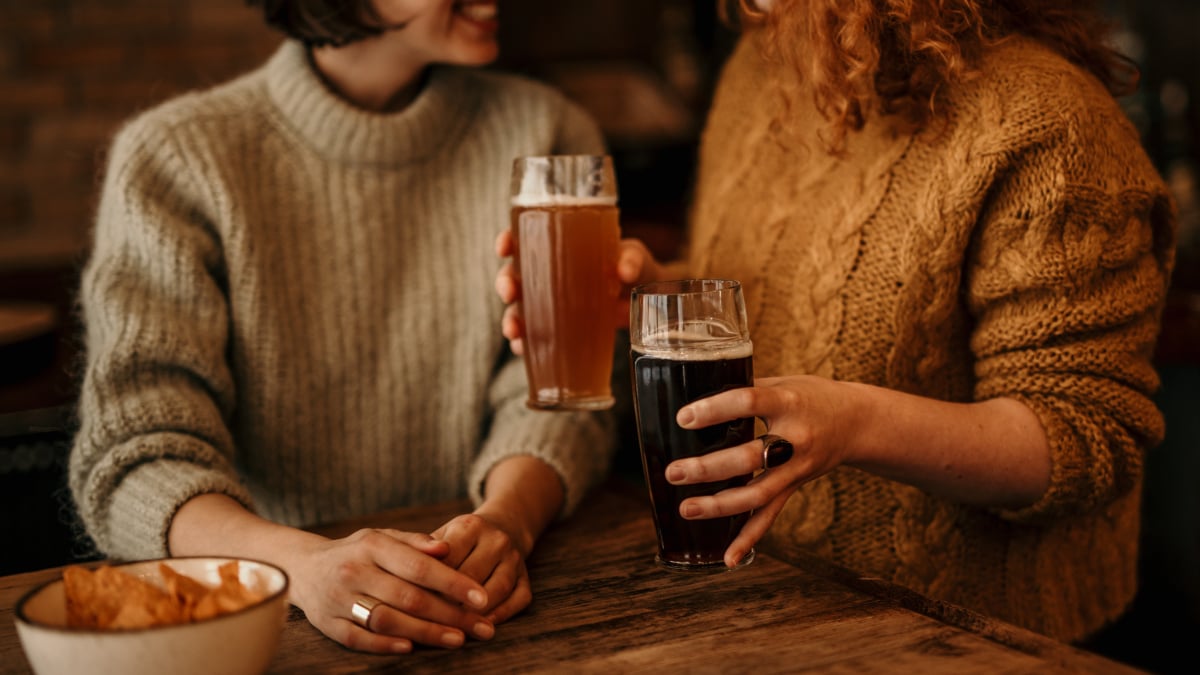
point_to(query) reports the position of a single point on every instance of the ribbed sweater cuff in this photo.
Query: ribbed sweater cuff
(577, 446)
(147, 499)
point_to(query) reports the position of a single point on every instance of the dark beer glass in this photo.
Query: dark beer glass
(565, 225)
(689, 340)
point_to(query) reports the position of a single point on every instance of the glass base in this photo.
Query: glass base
(599, 403)
(703, 568)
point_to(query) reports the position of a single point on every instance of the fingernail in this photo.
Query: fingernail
(402, 647)
(690, 510)
(484, 630)
(675, 474)
(477, 598)
(452, 639)
(685, 417)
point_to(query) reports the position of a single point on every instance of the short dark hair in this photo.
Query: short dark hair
(318, 23)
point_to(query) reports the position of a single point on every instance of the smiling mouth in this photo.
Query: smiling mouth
(480, 10)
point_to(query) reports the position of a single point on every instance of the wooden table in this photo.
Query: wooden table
(601, 606)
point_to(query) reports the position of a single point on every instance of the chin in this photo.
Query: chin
(474, 54)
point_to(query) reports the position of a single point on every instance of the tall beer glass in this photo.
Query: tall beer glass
(689, 340)
(565, 225)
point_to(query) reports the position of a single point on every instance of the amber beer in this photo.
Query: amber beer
(665, 381)
(566, 257)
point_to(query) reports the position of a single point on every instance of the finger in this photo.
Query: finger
(754, 529)
(754, 495)
(360, 639)
(482, 561)
(424, 543)
(502, 578)
(512, 326)
(518, 600)
(388, 620)
(410, 611)
(734, 404)
(631, 258)
(512, 322)
(504, 244)
(471, 540)
(506, 284)
(738, 460)
(405, 563)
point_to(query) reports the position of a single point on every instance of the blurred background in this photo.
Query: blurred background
(72, 70)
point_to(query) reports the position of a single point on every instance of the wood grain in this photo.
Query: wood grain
(602, 606)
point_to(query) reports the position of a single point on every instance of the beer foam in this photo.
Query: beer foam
(527, 201)
(677, 345)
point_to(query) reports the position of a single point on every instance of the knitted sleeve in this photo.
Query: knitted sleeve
(157, 392)
(1067, 277)
(578, 446)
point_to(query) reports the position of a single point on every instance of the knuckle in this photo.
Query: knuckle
(802, 439)
(697, 470)
(748, 397)
(350, 638)
(471, 522)
(759, 494)
(374, 540)
(346, 571)
(415, 566)
(409, 601)
(789, 397)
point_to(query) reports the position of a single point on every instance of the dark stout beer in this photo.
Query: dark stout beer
(664, 381)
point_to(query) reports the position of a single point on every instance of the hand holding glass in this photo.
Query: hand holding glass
(689, 340)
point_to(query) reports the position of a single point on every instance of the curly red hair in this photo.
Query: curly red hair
(896, 57)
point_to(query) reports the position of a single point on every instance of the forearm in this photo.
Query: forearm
(524, 494)
(215, 524)
(992, 453)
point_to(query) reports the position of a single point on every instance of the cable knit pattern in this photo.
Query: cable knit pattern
(1021, 250)
(289, 301)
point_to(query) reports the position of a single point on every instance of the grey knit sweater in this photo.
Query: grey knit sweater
(289, 300)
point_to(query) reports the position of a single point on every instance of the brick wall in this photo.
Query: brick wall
(70, 72)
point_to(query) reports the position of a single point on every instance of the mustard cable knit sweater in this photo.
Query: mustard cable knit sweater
(1023, 251)
(290, 301)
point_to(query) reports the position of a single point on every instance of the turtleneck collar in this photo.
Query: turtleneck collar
(342, 132)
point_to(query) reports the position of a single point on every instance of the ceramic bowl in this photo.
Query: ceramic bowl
(239, 642)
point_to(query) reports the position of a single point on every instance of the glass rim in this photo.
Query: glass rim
(563, 157)
(719, 285)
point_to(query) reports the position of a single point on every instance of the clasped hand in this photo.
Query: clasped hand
(433, 589)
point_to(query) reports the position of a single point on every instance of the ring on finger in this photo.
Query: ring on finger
(776, 450)
(360, 611)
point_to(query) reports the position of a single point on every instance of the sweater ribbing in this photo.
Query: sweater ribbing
(289, 300)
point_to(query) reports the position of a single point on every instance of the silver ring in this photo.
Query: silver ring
(776, 450)
(361, 610)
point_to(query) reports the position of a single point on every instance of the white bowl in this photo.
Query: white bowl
(239, 642)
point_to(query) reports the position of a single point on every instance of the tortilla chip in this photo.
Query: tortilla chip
(109, 598)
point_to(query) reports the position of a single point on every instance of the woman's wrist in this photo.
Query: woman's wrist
(988, 452)
(522, 495)
(215, 524)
